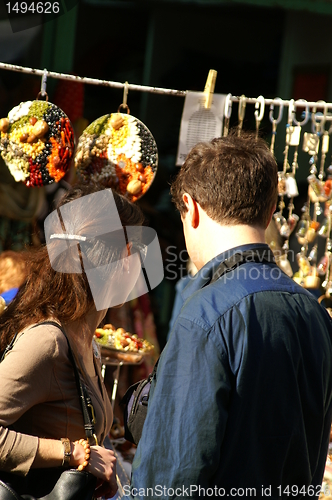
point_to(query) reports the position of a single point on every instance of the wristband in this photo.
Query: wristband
(66, 452)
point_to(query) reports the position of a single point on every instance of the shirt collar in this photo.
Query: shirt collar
(205, 274)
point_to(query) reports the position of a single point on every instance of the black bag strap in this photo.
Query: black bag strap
(85, 399)
(8, 348)
(255, 254)
(154, 371)
(152, 376)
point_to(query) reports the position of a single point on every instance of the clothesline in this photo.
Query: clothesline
(90, 81)
(158, 90)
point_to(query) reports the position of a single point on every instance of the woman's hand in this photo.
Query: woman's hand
(102, 464)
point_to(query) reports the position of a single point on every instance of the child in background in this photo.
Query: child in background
(12, 275)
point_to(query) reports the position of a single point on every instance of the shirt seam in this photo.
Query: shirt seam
(207, 327)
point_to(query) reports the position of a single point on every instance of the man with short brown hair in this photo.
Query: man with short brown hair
(241, 404)
(223, 176)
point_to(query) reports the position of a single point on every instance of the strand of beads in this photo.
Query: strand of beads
(87, 450)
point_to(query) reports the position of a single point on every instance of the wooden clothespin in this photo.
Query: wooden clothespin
(209, 88)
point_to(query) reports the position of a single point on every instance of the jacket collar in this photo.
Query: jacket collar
(204, 275)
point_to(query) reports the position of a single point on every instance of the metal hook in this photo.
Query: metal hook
(306, 116)
(228, 106)
(314, 128)
(124, 99)
(42, 92)
(325, 120)
(241, 113)
(275, 121)
(291, 111)
(43, 83)
(281, 109)
(242, 107)
(125, 94)
(330, 128)
(260, 105)
(227, 113)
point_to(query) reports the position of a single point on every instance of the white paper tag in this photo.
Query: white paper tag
(199, 124)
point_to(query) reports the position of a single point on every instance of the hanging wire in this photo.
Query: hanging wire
(150, 89)
(43, 92)
(91, 81)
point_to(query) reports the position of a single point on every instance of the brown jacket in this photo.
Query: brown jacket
(39, 397)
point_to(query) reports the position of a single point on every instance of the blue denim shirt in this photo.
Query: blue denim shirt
(242, 396)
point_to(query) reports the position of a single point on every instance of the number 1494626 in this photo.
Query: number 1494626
(306, 491)
(33, 7)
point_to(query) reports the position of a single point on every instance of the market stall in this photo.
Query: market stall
(37, 143)
(118, 148)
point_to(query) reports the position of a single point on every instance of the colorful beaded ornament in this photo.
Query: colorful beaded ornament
(37, 143)
(118, 149)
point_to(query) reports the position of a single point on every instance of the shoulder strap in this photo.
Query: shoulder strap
(254, 255)
(154, 371)
(85, 399)
(9, 347)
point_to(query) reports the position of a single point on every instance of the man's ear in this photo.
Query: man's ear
(192, 210)
(271, 214)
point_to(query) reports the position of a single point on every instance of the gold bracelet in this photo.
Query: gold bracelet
(87, 450)
(66, 452)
